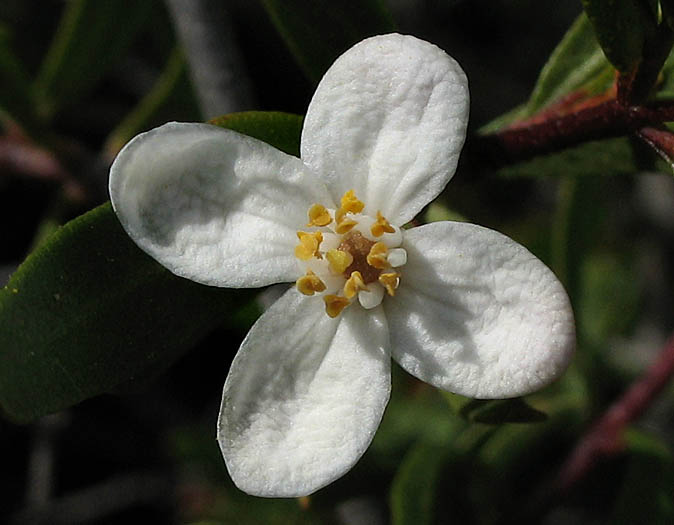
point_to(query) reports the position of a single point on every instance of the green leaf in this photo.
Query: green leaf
(667, 7)
(498, 411)
(282, 130)
(438, 211)
(318, 32)
(665, 89)
(622, 28)
(646, 493)
(576, 62)
(603, 157)
(88, 311)
(415, 485)
(609, 297)
(14, 85)
(91, 37)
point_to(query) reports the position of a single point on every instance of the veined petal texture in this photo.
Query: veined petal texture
(388, 120)
(213, 205)
(304, 396)
(477, 314)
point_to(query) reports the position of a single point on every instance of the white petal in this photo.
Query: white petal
(477, 314)
(213, 205)
(388, 120)
(304, 396)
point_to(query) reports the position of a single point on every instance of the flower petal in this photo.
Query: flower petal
(477, 314)
(304, 396)
(388, 120)
(213, 205)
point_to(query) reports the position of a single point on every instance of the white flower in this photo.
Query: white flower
(459, 306)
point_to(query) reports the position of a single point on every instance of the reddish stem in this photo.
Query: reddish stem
(603, 120)
(605, 437)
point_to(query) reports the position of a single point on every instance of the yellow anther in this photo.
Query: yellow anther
(353, 285)
(319, 216)
(309, 245)
(381, 226)
(345, 226)
(349, 204)
(390, 281)
(310, 283)
(334, 304)
(339, 260)
(377, 256)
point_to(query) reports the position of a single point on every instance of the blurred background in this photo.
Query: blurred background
(149, 451)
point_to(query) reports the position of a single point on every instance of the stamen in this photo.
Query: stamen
(319, 216)
(345, 225)
(390, 281)
(381, 226)
(397, 257)
(349, 204)
(353, 285)
(339, 260)
(310, 283)
(308, 246)
(378, 255)
(334, 304)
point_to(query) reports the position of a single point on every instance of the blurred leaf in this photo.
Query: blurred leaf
(646, 494)
(602, 157)
(408, 420)
(318, 32)
(415, 485)
(138, 120)
(90, 38)
(575, 229)
(456, 402)
(14, 85)
(622, 28)
(666, 86)
(437, 211)
(282, 130)
(576, 62)
(89, 311)
(667, 7)
(498, 411)
(502, 121)
(609, 296)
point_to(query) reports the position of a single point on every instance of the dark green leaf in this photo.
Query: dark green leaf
(666, 84)
(646, 494)
(88, 311)
(668, 12)
(498, 411)
(14, 84)
(604, 157)
(414, 487)
(622, 28)
(609, 297)
(318, 32)
(282, 130)
(91, 37)
(576, 62)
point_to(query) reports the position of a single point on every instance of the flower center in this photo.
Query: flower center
(348, 254)
(359, 248)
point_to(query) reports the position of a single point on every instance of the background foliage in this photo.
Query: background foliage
(111, 368)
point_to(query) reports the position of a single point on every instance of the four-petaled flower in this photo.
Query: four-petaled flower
(459, 306)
